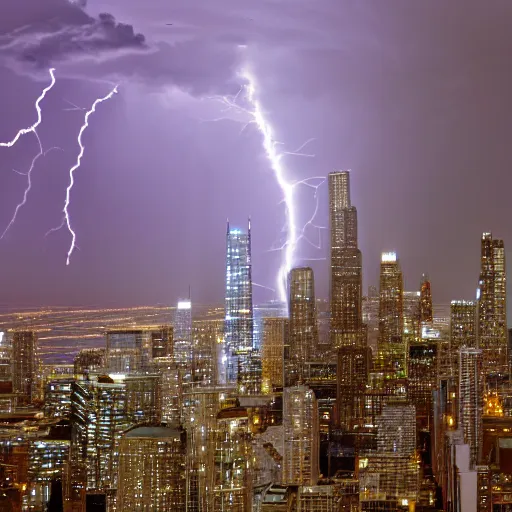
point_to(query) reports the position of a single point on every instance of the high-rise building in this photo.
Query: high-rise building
(98, 417)
(301, 436)
(426, 313)
(275, 338)
(206, 337)
(87, 360)
(422, 373)
(233, 489)
(132, 350)
(303, 332)
(152, 469)
(271, 309)
(352, 377)
(471, 396)
(25, 362)
(5, 357)
(492, 307)
(463, 331)
(391, 315)
(183, 333)
(346, 264)
(238, 326)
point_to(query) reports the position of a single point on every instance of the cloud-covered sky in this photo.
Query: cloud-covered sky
(412, 96)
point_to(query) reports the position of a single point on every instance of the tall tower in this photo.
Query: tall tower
(303, 336)
(463, 328)
(238, 323)
(426, 315)
(24, 373)
(492, 306)
(391, 314)
(183, 333)
(471, 392)
(346, 264)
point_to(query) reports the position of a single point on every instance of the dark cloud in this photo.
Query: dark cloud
(66, 33)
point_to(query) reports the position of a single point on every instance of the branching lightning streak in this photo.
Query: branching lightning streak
(28, 174)
(32, 129)
(256, 116)
(25, 131)
(67, 218)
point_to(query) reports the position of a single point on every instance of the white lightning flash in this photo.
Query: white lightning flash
(28, 174)
(67, 220)
(275, 156)
(24, 131)
(32, 129)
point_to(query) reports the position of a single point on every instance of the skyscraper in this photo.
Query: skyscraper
(24, 351)
(238, 326)
(492, 306)
(301, 436)
(303, 334)
(183, 332)
(471, 393)
(346, 264)
(275, 337)
(391, 314)
(426, 314)
(463, 329)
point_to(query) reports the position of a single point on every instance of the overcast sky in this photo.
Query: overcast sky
(414, 97)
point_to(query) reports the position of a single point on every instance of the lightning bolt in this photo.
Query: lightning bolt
(32, 129)
(24, 131)
(67, 219)
(28, 174)
(257, 117)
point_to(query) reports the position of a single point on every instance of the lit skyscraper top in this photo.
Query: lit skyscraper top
(238, 326)
(183, 332)
(346, 264)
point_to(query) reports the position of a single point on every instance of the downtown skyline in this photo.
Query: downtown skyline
(419, 128)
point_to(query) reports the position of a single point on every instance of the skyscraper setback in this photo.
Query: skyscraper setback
(492, 306)
(346, 264)
(238, 326)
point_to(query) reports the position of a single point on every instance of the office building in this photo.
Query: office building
(303, 331)
(346, 264)
(88, 360)
(426, 312)
(233, 489)
(492, 307)
(275, 338)
(207, 336)
(271, 309)
(98, 417)
(463, 331)
(238, 326)
(471, 394)
(422, 372)
(301, 436)
(391, 316)
(183, 333)
(152, 469)
(25, 365)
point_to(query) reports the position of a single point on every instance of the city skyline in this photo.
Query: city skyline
(392, 137)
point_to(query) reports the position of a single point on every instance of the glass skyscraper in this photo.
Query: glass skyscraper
(238, 320)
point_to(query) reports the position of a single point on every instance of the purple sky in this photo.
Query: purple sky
(414, 97)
